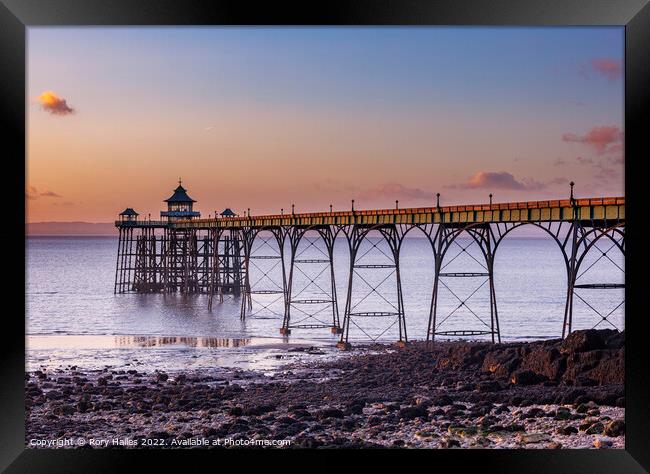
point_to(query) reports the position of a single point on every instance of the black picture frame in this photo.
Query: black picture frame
(18, 15)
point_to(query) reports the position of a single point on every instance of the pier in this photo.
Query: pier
(184, 253)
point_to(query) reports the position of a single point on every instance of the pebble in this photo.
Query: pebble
(615, 428)
(601, 443)
(531, 438)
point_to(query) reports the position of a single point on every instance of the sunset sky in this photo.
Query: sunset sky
(267, 117)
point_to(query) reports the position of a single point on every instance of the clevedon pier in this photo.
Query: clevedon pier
(260, 257)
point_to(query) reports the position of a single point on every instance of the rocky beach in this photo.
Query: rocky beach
(544, 394)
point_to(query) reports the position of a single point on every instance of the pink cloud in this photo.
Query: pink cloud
(499, 180)
(52, 103)
(602, 139)
(32, 193)
(611, 68)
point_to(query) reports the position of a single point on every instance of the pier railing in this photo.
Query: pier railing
(550, 210)
(142, 223)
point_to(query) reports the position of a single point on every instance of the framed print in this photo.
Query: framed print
(396, 228)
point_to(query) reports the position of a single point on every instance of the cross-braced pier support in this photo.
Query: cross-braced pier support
(481, 270)
(148, 276)
(227, 265)
(264, 258)
(317, 298)
(383, 264)
(593, 242)
(124, 269)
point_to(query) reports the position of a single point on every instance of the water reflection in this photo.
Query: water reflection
(157, 341)
(54, 342)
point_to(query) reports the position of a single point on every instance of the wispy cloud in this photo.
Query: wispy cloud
(499, 180)
(52, 103)
(611, 68)
(31, 192)
(603, 139)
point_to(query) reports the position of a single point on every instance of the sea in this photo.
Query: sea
(74, 319)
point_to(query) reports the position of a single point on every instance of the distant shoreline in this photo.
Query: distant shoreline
(78, 228)
(31, 236)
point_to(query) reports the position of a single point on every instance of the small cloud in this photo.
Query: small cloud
(207, 129)
(611, 68)
(499, 180)
(31, 192)
(52, 103)
(602, 139)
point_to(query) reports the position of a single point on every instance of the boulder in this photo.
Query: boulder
(595, 428)
(615, 428)
(545, 361)
(501, 363)
(533, 438)
(526, 377)
(582, 341)
(601, 443)
(410, 413)
(330, 413)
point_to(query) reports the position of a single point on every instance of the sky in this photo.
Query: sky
(263, 118)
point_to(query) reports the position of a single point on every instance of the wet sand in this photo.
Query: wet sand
(550, 394)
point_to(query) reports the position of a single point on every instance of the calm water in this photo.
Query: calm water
(70, 298)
